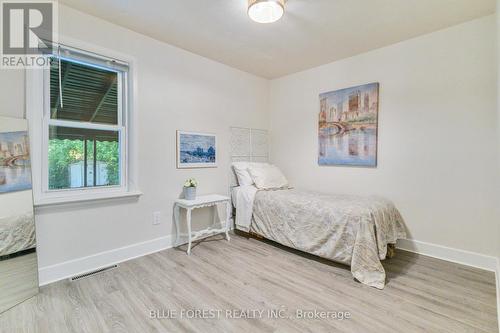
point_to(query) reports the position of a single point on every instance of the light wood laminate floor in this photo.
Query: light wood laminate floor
(422, 294)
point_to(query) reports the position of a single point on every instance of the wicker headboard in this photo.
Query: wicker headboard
(248, 144)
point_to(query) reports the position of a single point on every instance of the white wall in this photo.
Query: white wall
(175, 90)
(498, 134)
(437, 132)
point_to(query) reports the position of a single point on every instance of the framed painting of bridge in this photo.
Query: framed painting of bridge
(15, 165)
(348, 125)
(196, 150)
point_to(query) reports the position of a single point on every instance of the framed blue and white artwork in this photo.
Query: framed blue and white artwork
(196, 150)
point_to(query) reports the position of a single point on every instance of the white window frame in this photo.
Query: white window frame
(38, 114)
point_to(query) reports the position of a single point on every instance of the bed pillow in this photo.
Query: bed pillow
(242, 174)
(241, 171)
(267, 177)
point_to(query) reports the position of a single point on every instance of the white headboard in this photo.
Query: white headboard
(248, 144)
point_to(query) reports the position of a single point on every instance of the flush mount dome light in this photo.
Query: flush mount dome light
(266, 11)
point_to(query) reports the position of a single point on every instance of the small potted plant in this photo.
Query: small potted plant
(190, 189)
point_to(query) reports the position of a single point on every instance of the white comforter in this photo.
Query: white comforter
(353, 230)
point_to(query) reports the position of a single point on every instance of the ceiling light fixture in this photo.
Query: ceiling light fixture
(266, 11)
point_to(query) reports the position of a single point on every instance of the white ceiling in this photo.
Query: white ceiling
(311, 33)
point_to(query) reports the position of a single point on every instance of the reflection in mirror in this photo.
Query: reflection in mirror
(18, 260)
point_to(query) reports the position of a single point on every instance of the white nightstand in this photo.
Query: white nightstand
(200, 202)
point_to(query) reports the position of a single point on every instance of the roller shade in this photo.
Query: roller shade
(88, 57)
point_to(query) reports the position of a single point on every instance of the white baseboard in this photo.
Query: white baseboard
(67, 269)
(53, 273)
(449, 254)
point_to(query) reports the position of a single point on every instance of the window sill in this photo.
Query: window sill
(86, 198)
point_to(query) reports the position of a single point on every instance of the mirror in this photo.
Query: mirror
(18, 260)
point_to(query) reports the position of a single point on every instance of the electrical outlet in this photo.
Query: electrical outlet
(156, 218)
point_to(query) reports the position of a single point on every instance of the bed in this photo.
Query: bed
(17, 233)
(353, 230)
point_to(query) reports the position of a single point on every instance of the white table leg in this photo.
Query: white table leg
(228, 219)
(188, 219)
(176, 220)
(214, 219)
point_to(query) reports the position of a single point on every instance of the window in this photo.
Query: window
(83, 158)
(83, 126)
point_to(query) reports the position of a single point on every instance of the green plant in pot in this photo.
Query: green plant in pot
(190, 189)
